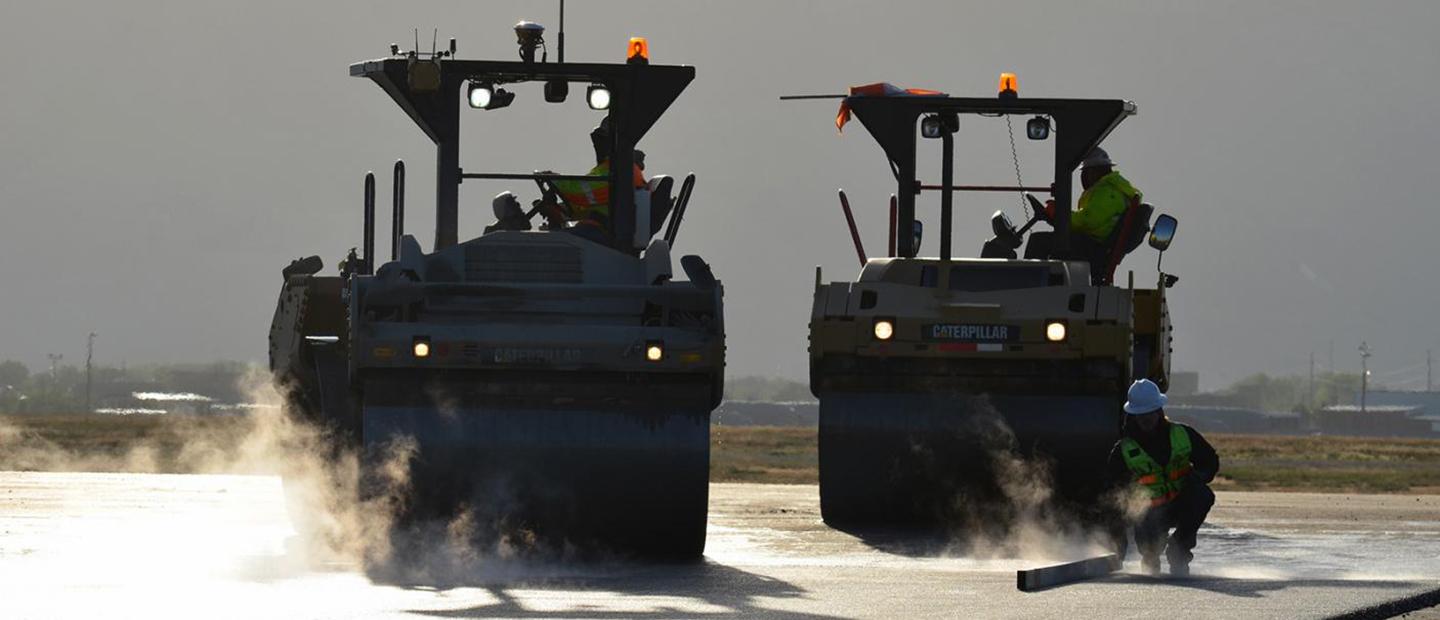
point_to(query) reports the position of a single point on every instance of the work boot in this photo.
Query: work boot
(1179, 558)
(1180, 568)
(1150, 564)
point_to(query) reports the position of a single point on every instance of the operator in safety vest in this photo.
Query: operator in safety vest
(590, 200)
(1099, 211)
(1173, 464)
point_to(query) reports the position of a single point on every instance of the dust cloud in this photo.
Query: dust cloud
(1017, 513)
(342, 514)
(335, 522)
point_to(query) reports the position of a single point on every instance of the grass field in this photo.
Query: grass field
(777, 455)
(1248, 462)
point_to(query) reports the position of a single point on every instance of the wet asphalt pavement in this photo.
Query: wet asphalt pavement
(152, 546)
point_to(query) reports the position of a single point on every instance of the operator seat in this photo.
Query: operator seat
(1127, 236)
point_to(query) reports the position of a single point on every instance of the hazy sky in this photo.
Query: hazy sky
(163, 159)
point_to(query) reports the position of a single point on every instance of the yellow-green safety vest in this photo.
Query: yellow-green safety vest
(1162, 483)
(1101, 207)
(591, 199)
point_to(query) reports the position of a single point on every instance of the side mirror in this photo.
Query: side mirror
(1163, 232)
(930, 127)
(1037, 128)
(937, 125)
(919, 234)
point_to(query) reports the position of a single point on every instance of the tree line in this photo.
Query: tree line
(63, 388)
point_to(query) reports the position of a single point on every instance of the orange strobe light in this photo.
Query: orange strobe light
(1009, 85)
(639, 51)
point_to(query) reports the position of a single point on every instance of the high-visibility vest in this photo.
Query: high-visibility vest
(1161, 483)
(590, 200)
(1101, 207)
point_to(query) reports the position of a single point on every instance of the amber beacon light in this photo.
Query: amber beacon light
(1009, 85)
(639, 51)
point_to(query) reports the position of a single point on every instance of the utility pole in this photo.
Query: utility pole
(1310, 401)
(89, 359)
(1364, 374)
(54, 379)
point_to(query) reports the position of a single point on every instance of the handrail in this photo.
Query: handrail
(854, 232)
(541, 176)
(892, 226)
(682, 202)
(988, 188)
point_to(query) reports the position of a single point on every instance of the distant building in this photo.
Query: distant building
(1374, 421)
(1236, 420)
(1428, 402)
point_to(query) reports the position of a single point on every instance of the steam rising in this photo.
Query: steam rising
(342, 514)
(321, 481)
(1020, 517)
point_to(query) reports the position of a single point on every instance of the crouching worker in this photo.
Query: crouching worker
(1174, 465)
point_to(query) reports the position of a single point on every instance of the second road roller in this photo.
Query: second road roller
(947, 385)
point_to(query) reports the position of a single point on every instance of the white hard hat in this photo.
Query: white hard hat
(505, 205)
(1144, 397)
(1097, 158)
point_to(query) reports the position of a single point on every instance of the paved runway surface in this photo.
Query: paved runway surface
(147, 546)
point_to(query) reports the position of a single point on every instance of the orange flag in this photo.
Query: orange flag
(878, 89)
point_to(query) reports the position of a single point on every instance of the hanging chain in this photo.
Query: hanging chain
(1015, 157)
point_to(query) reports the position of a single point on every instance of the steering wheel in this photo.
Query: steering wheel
(548, 188)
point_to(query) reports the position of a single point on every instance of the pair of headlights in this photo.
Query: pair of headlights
(488, 96)
(654, 349)
(1055, 331)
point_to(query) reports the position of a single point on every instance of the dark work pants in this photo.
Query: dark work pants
(1185, 513)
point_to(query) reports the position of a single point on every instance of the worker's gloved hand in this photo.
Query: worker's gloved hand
(551, 211)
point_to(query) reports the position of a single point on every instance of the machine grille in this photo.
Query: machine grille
(523, 263)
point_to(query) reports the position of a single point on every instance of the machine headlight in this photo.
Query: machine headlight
(486, 96)
(598, 96)
(421, 348)
(480, 95)
(884, 329)
(654, 351)
(1055, 331)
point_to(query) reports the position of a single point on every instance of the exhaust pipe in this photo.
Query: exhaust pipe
(397, 223)
(367, 266)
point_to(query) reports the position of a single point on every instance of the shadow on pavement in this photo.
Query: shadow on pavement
(687, 586)
(1254, 588)
(911, 542)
